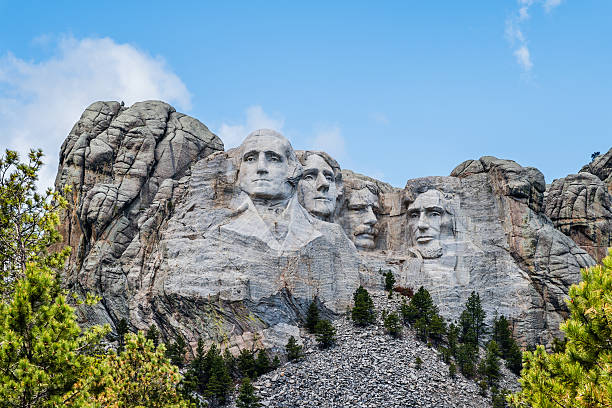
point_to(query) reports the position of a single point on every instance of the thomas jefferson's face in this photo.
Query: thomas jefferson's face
(425, 219)
(317, 188)
(264, 168)
(361, 215)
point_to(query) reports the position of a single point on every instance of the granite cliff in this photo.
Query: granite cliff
(231, 246)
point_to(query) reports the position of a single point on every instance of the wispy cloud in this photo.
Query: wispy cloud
(41, 100)
(514, 30)
(256, 118)
(380, 118)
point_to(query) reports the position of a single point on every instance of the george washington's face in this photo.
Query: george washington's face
(317, 188)
(264, 169)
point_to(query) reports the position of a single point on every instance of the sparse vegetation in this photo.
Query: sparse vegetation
(392, 325)
(294, 350)
(312, 317)
(326, 333)
(363, 313)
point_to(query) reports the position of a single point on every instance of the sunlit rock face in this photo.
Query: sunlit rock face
(231, 246)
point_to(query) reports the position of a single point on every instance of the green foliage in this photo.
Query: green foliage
(262, 363)
(418, 362)
(472, 320)
(467, 355)
(208, 375)
(581, 375)
(230, 363)
(508, 347)
(294, 350)
(176, 351)
(122, 330)
(246, 396)
(43, 359)
(452, 370)
(153, 335)
(28, 222)
(452, 338)
(423, 315)
(389, 281)
(492, 368)
(326, 333)
(141, 376)
(482, 385)
(392, 325)
(514, 359)
(312, 317)
(276, 362)
(363, 313)
(246, 364)
(498, 398)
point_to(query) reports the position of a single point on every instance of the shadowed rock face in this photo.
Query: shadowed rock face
(231, 246)
(601, 166)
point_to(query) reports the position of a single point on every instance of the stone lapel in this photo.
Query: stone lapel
(248, 223)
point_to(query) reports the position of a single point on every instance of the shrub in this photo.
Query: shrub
(392, 325)
(418, 362)
(408, 292)
(452, 370)
(389, 281)
(326, 333)
(294, 350)
(363, 312)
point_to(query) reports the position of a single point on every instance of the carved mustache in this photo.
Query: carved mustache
(365, 229)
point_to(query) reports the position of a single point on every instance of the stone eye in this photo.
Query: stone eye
(308, 177)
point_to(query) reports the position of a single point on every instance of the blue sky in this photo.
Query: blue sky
(394, 90)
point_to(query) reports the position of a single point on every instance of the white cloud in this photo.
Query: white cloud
(41, 100)
(380, 118)
(551, 4)
(330, 140)
(523, 58)
(256, 118)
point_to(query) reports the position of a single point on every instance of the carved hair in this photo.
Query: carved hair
(295, 168)
(303, 156)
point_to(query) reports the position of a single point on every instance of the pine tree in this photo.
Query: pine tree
(262, 363)
(198, 372)
(230, 362)
(122, 330)
(389, 281)
(467, 355)
(246, 364)
(452, 370)
(581, 375)
(502, 335)
(46, 360)
(492, 369)
(246, 396)
(140, 376)
(514, 361)
(326, 333)
(294, 350)
(392, 325)
(176, 351)
(452, 337)
(276, 362)
(312, 317)
(219, 383)
(472, 320)
(153, 335)
(418, 362)
(363, 312)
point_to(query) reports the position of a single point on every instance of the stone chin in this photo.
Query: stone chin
(364, 241)
(430, 249)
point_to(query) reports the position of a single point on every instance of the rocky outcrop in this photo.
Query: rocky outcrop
(601, 166)
(170, 230)
(581, 207)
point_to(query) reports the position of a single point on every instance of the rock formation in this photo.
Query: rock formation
(231, 246)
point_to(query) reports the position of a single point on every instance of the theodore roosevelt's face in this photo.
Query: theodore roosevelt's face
(317, 188)
(425, 220)
(264, 169)
(361, 214)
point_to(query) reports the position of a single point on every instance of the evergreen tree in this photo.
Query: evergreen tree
(498, 398)
(153, 335)
(452, 337)
(492, 369)
(514, 361)
(389, 281)
(122, 330)
(581, 375)
(198, 373)
(418, 363)
(437, 328)
(176, 351)
(246, 364)
(312, 317)
(467, 355)
(502, 335)
(363, 312)
(471, 320)
(452, 370)
(262, 363)
(219, 383)
(392, 324)
(230, 362)
(326, 333)
(276, 362)
(408, 312)
(141, 376)
(246, 396)
(294, 350)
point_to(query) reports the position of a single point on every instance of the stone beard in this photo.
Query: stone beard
(362, 206)
(318, 188)
(427, 217)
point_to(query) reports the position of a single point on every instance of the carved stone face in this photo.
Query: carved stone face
(264, 169)
(361, 212)
(317, 188)
(425, 218)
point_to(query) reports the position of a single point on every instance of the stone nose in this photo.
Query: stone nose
(370, 218)
(322, 183)
(261, 164)
(422, 224)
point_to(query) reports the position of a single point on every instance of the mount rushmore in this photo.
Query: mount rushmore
(171, 230)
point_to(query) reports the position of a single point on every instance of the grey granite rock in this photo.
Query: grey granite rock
(601, 166)
(581, 207)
